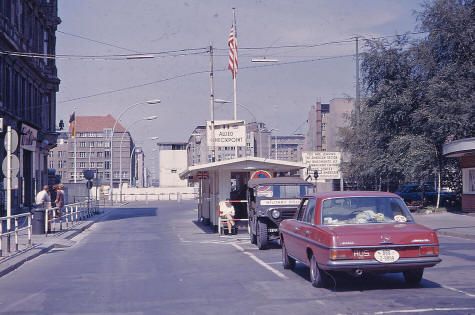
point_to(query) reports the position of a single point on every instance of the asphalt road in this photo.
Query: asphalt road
(154, 259)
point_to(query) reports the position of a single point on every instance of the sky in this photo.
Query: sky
(179, 33)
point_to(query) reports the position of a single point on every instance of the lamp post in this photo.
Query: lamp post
(120, 150)
(150, 102)
(131, 153)
(270, 137)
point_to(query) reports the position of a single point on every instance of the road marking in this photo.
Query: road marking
(260, 262)
(457, 290)
(420, 310)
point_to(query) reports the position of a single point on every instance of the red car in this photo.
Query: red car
(357, 232)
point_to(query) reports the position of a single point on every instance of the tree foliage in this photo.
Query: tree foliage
(420, 94)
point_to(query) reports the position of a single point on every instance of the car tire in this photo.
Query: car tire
(252, 236)
(262, 236)
(287, 261)
(317, 276)
(413, 276)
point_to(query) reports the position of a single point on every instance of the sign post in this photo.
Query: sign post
(326, 163)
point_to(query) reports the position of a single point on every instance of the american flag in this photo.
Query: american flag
(232, 43)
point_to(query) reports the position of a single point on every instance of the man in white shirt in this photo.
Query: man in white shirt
(42, 198)
(226, 210)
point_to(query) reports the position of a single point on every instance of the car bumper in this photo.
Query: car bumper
(371, 264)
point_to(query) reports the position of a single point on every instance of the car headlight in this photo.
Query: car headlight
(275, 214)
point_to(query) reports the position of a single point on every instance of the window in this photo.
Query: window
(324, 126)
(125, 174)
(107, 144)
(91, 144)
(99, 144)
(301, 209)
(107, 165)
(107, 175)
(107, 133)
(82, 154)
(107, 154)
(92, 164)
(51, 164)
(100, 154)
(92, 134)
(50, 154)
(310, 212)
(82, 164)
(100, 164)
(82, 144)
(61, 164)
(60, 153)
(116, 174)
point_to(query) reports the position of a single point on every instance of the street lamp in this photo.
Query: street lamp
(120, 150)
(131, 153)
(270, 137)
(150, 102)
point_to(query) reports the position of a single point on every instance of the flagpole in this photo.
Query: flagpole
(235, 70)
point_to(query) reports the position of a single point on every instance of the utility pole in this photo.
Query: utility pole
(211, 101)
(357, 101)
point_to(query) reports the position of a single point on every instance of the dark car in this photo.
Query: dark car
(357, 232)
(271, 200)
(416, 195)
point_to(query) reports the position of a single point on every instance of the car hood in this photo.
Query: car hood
(381, 234)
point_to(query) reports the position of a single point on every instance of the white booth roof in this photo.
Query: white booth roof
(248, 163)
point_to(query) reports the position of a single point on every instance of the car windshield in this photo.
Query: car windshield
(284, 191)
(362, 210)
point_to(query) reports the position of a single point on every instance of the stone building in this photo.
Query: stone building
(93, 151)
(28, 86)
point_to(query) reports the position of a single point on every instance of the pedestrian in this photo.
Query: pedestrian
(227, 212)
(43, 198)
(59, 199)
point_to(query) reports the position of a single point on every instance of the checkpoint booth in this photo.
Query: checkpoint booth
(228, 179)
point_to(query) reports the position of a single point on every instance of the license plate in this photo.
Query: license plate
(386, 255)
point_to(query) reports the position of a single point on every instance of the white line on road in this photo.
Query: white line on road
(432, 309)
(457, 290)
(260, 262)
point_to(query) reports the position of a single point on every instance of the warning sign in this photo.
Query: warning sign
(326, 163)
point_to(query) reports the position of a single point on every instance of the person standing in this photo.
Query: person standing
(59, 199)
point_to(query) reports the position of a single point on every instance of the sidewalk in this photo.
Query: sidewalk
(42, 244)
(456, 224)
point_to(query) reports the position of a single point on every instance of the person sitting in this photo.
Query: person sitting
(227, 212)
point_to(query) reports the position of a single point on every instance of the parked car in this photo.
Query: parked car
(357, 232)
(271, 200)
(416, 195)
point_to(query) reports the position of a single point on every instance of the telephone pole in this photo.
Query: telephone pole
(211, 101)
(357, 100)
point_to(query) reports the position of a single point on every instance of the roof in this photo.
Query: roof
(96, 123)
(276, 180)
(248, 163)
(354, 193)
(459, 148)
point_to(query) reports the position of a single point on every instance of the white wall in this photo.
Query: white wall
(172, 163)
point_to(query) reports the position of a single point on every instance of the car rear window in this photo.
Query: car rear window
(364, 210)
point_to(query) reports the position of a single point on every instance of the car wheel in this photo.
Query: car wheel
(413, 276)
(287, 261)
(252, 236)
(261, 234)
(317, 276)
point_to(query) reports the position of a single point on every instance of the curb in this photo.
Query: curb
(455, 234)
(16, 260)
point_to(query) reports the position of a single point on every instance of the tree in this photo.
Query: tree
(420, 94)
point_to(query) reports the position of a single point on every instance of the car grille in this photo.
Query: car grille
(286, 213)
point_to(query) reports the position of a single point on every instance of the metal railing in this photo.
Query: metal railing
(159, 196)
(69, 215)
(17, 228)
(22, 228)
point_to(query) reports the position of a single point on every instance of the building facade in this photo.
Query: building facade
(28, 86)
(289, 148)
(172, 160)
(91, 149)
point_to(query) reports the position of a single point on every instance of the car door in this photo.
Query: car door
(291, 238)
(307, 229)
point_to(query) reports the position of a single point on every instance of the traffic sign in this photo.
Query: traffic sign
(14, 143)
(14, 183)
(15, 165)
